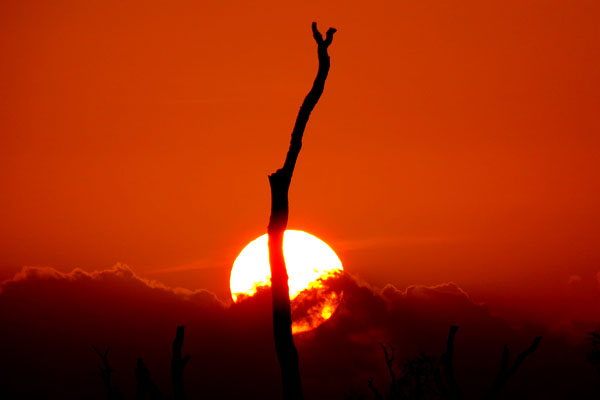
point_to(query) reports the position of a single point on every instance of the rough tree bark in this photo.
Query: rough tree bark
(280, 183)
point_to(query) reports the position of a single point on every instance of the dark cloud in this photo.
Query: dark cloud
(50, 320)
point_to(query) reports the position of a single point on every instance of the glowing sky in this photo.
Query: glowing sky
(454, 141)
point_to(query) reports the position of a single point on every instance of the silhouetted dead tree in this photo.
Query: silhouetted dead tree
(280, 183)
(177, 365)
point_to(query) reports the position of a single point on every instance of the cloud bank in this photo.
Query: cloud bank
(51, 320)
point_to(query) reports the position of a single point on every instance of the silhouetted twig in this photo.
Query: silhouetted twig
(280, 182)
(112, 393)
(505, 372)
(376, 393)
(452, 391)
(389, 353)
(177, 365)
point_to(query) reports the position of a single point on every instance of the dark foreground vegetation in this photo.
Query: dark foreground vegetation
(423, 377)
(426, 377)
(145, 386)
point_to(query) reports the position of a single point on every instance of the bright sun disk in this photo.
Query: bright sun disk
(310, 263)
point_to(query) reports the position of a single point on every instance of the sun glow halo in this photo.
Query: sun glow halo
(310, 263)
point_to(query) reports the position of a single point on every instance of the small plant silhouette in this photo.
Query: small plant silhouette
(145, 387)
(425, 378)
(112, 393)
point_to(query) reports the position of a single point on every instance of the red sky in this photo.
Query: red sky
(454, 142)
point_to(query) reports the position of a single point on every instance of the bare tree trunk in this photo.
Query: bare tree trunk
(280, 183)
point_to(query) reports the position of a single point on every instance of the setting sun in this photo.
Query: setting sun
(311, 266)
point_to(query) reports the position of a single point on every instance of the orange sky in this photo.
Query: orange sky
(454, 142)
